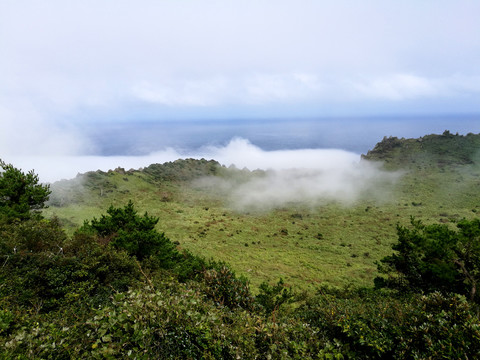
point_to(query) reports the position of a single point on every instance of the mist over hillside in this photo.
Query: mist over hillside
(345, 184)
(248, 178)
(252, 179)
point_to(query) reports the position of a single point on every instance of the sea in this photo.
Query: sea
(354, 134)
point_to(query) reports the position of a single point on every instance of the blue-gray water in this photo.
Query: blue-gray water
(353, 134)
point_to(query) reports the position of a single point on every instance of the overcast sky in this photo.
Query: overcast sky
(63, 63)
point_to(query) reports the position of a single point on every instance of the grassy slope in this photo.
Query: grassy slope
(441, 182)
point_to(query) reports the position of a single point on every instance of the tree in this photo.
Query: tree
(124, 229)
(435, 258)
(21, 195)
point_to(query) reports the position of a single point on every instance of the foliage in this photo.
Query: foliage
(157, 324)
(21, 196)
(43, 270)
(6, 318)
(225, 288)
(32, 236)
(172, 320)
(162, 321)
(124, 229)
(271, 297)
(369, 324)
(435, 258)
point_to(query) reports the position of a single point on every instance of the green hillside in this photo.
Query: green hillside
(390, 272)
(307, 245)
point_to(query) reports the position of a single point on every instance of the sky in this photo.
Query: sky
(68, 64)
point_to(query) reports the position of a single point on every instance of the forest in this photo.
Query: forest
(162, 263)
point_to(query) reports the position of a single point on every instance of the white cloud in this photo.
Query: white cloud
(290, 88)
(238, 152)
(207, 92)
(396, 87)
(51, 168)
(274, 88)
(239, 90)
(241, 153)
(346, 184)
(459, 85)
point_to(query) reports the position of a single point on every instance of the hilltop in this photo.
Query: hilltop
(434, 151)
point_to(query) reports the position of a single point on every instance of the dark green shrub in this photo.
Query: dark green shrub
(190, 267)
(372, 325)
(225, 288)
(434, 258)
(32, 236)
(272, 297)
(123, 229)
(42, 270)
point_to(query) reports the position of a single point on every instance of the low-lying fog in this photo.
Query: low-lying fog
(239, 152)
(298, 176)
(306, 175)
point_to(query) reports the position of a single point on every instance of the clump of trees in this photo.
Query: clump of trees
(119, 288)
(435, 257)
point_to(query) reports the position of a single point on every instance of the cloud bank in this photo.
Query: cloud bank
(309, 177)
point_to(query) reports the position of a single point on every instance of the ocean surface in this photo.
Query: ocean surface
(354, 134)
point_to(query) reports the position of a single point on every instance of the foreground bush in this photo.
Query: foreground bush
(124, 229)
(42, 270)
(371, 325)
(176, 321)
(170, 321)
(435, 258)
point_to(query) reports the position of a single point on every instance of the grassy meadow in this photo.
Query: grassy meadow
(306, 244)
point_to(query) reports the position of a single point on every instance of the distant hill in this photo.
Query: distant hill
(430, 150)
